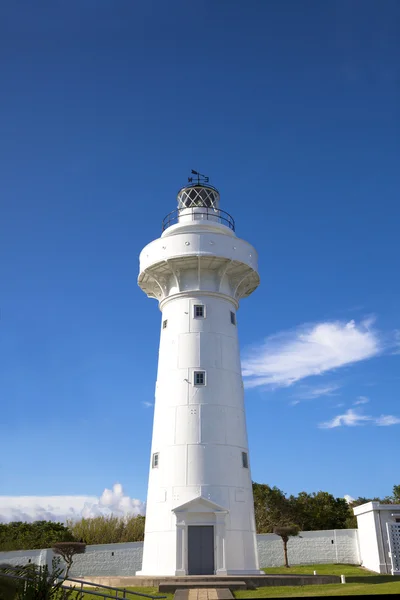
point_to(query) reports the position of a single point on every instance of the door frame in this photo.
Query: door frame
(200, 512)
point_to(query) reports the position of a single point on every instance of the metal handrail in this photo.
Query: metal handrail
(109, 587)
(214, 214)
(91, 583)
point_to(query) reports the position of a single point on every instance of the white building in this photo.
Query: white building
(379, 536)
(200, 514)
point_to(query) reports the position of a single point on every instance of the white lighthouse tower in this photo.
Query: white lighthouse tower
(200, 513)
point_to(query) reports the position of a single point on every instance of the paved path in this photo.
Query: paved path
(204, 594)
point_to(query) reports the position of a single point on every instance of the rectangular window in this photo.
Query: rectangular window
(199, 378)
(199, 311)
(245, 460)
(233, 318)
(164, 324)
(155, 460)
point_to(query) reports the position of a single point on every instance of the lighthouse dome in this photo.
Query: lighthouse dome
(198, 196)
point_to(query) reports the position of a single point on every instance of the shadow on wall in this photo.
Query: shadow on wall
(369, 579)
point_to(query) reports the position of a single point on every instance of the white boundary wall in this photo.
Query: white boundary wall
(313, 547)
(372, 520)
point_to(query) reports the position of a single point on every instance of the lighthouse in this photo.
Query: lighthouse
(200, 510)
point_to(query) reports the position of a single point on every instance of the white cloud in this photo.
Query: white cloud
(61, 508)
(385, 420)
(147, 404)
(349, 499)
(310, 350)
(311, 393)
(361, 400)
(396, 341)
(351, 418)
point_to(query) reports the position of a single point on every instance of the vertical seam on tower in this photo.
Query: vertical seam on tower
(224, 273)
(198, 270)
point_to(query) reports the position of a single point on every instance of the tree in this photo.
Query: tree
(19, 535)
(271, 507)
(134, 529)
(286, 531)
(320, 510)
(394, 498)
(351, 522)
(67, 550)
(109, 529)
(310, 512)
(396, 494)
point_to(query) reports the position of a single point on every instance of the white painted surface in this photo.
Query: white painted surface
(199, 432)
(393, 533)
(372, 519)
(311, 547)
(108, 559)
(23, 557)
(314, 547)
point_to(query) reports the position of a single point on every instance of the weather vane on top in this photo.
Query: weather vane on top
(200, 178)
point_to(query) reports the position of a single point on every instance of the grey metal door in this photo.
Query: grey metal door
(201, 550)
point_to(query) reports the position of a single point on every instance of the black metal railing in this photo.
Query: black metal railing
(120, 593)
(199, 213)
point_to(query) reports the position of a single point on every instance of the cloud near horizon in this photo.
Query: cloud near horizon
(287, 357)
(351, 418)
(61, 508)
(349, 499)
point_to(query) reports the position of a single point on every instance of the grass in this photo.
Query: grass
(348, 570)
(140, 590)
(359, 581)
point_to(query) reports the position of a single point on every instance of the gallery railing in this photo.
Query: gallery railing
(199, 213)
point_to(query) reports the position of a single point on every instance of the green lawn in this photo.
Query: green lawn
(141, 590)
(358, 582)
(321, 570)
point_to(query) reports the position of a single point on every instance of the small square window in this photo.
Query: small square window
(233, 318)
(155, 460)
(199, 310)
(164, 324)
(397, 520)
(199, 378)
(245, 460)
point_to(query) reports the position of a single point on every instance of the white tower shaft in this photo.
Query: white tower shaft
(200, 513)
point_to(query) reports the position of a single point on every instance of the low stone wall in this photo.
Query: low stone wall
(24, 557)
(109, 559)
(311, 547)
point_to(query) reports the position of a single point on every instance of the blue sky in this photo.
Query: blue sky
(292, 109)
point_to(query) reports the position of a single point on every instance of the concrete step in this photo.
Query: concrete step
(204, 594)
(173, 586)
